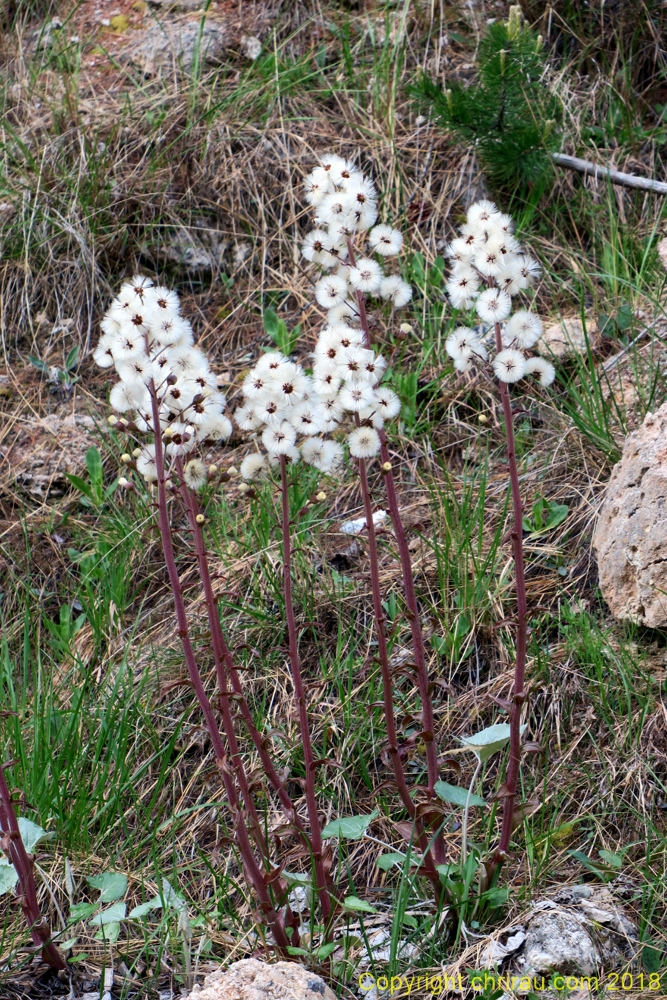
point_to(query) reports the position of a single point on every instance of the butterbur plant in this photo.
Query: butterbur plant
(172, 411)
(489, 268)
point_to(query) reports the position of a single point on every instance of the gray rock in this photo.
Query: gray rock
(577, 934)
(176, 43)
(251, 979)
(630, 537)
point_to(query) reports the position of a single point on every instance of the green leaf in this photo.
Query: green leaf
(31, 834)
(326, 949)
(495, 897)
(556, 515)
(349, 827)
(72, 358)
(387, 861)
(108, 932)
(37, 363)
(357, 905)
(143, 908)
(456, 796)
(8, 876)
(615, 860)
(271, 323)
(94, 466)
(112, 885)
(171, 897)
(111, 915)
(291, 950)
(81, 486)
(80, 911)
(589, 865)
(297, 879)
(489, 740)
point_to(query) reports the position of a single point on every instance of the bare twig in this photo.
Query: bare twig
(608, 173)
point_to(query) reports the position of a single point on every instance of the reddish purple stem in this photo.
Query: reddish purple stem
(300, 697)
(253, 871)
(15, 849)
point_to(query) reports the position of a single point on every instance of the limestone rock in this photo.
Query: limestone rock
(176, 42)
(630, 538)
(251, 979)
(564, 338)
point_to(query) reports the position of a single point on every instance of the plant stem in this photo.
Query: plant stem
(466, 814)
(419, 652)
(299, 693)
(224, 662)
(14, 848)
(518, 693)
(387, 687)
(253, 870)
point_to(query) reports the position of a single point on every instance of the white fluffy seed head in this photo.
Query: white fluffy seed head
(364, 442)
(522, 330)
(493, 305)
(509, 365)
(541, 367)
(194, 474)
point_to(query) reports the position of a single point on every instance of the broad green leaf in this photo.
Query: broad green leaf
(387, 861)
(456, 796)
(94, 466)
(31, 834)
(349, 827)
(108, 932)
(66, 945)
(80, 911)
(589, 865)
(357, 905)
(37, 363)
(292, 950)
(297, 878)
(326, 949)
(171, 897)
(111, 915)
(72, 358)
(615, 860)
(496, 896)
(8, 876)
(271, 323)
(112, 885)
(143, 908)
(489, 741)
(556, 515)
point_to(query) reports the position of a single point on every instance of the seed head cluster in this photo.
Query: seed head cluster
(284, 403)
(151, 346)
(489, 267)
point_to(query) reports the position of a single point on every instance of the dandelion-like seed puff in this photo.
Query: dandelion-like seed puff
(151, 346)
(489, 267)
(353, 252)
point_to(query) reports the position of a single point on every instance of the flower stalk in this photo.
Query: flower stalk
(252, 869)
(14, 848)
(310, 763)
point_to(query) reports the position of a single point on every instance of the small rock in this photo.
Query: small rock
(163, 46)
(630, 537)
(251, 979)
(251, 47)
(565, 338)
(194, 251)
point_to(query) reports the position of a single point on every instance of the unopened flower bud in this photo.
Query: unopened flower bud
(200, 519)
(483, 419)
(124, 482)
(206, 392)
(232, 471)
(171, 379)
(123, 421)
(321, 495)
(212, 469)
(406, 328)
(168, 432)
(136, 453)
(112, 419)
(386, 466)
(126, 458)
(243, 487)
